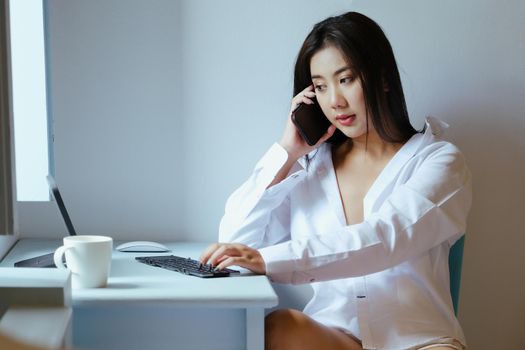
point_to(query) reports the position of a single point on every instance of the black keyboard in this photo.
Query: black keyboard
(187, 266)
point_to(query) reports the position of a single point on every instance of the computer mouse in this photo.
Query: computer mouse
(142, 246)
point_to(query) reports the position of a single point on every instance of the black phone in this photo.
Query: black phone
(311, 122)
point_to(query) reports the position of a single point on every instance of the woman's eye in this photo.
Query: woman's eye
(346, 80)
(319, 87)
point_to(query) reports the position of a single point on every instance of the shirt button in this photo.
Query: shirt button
(295, 176)
(361, 296)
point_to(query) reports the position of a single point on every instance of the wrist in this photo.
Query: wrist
(293, 154)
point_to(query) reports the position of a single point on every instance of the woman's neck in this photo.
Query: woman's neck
(372, 147)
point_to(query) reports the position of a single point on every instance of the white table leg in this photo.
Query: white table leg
(255, 329)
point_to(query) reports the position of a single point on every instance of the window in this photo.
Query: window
(28, 71)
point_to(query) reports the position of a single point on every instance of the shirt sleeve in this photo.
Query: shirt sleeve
(428, 209)
(256, 215)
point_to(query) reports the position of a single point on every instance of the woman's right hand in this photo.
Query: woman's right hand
(292, 141)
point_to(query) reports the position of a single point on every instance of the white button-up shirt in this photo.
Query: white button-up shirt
(384, 280)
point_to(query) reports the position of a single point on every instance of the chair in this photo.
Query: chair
(455, 261)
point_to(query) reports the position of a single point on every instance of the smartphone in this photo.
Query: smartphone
(311, 122)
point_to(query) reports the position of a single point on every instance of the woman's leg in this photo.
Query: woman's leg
(445, 343)
(291, 329)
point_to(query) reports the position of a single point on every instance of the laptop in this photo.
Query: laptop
(46, 260)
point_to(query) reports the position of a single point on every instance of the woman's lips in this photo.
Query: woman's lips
(345, 120)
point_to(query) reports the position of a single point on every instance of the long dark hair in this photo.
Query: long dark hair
(363, 43)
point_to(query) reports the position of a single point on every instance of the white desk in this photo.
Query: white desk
(146, 307)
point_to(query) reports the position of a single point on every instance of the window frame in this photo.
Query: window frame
(7, 172)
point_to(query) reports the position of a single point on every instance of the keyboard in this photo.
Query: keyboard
(187, 266)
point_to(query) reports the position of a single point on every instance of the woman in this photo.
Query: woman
(366, 217)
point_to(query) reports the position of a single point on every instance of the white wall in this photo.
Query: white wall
(163, 107)
(115, 99)
(237, 59)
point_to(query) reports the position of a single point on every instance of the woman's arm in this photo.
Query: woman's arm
(249, 210)
(257, 214)
(430, 208)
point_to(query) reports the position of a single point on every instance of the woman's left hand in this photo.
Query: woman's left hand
(222, 255)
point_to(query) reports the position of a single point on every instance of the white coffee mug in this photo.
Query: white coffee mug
(88, 258)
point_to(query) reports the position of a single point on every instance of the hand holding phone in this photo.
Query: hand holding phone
(310, 121)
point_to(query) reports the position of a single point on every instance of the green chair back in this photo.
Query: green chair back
(455, 261)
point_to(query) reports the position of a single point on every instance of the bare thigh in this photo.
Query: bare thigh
(291, 329)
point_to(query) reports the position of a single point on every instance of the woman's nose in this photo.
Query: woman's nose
(337, 100)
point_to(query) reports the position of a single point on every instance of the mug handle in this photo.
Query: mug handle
(57, 257)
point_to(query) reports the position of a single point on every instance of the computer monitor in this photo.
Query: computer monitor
(46, 260)
(61, 206)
